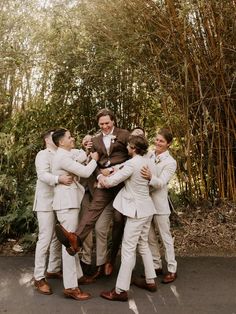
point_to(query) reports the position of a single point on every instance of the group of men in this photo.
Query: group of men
(119, 171)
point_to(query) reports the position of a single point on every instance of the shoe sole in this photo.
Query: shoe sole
(169, 281)
(123, 300)
(166, 282)
(41, 292)
(63, 240)
(61, 236)
(77, 299)
(154, 289)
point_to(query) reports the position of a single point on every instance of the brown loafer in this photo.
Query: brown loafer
(108, 268)
(113, 296)
(42, 286)
(68, 239)
(56, 275)
(76, 294)
(170, 277)
(141, 283)
(84, 280)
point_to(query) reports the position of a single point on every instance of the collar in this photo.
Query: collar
(50, 150)
(64, 151)
(160, 157)
(163, 155)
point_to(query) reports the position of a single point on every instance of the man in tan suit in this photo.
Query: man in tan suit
(111, 145)
(66, 204)
(133, 201)
(47, 240)
(165, 166)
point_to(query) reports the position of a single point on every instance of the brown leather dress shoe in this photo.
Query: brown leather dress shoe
(84, 280)
(113, 296)
(56, 275)
(108, 268)
(141, 283)
(68, 239)
(170, 277)
(42, 286)
(76, 294)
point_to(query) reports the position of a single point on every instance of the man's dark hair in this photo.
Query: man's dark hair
(46, 134)
(105, 112)
(138, 128)
(138, 142)
(57, 135)
(166, 133)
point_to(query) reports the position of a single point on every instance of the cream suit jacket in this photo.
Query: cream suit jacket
(165, 168)
(134, 199)
(66, 162)
(45, 181)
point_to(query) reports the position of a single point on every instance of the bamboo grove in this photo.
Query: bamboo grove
(154, 62)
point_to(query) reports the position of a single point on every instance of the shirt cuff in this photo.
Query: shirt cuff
(56, 179)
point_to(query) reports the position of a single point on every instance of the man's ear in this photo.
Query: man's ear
(61, 142)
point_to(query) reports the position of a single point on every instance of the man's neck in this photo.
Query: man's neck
(65, 148)
(48, 146)
(109, 132)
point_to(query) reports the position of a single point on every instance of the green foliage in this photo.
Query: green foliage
(153, 63)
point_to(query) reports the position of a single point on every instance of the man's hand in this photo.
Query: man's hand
(106, 172)
(94, 156)
(146, 173)
(87, 143)
(65, 179)
(102, 182)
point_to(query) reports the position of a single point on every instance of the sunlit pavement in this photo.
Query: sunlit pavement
(204, 285)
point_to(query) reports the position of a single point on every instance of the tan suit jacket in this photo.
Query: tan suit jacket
(69, 196)
(164, 171)
(134, 199)
(45, 181)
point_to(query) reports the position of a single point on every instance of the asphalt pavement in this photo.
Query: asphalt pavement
(205, 285)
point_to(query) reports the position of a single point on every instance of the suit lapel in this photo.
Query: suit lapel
(115, 133)
(101, 143)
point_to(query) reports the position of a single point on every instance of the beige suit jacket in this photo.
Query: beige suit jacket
(45, 181)
(65, 162)
(134, 199)
(164, 171)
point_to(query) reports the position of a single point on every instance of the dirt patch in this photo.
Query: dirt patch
(205, 231)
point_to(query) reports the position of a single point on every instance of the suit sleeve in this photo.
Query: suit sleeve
(121, 175)
(78, 169)
(43, 169)
(79, 155)
(158, 182)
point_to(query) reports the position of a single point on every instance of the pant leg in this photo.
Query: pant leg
(117, 234)
(55, 252)
(145, 251)
(88, 242)
(87, 249)
(46, 224)
(154, 247)
(71, 266)
(101, 198)
(163, 223)
(102, 229)
(132, 232)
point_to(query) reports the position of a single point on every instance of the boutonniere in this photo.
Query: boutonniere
(113, 138)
